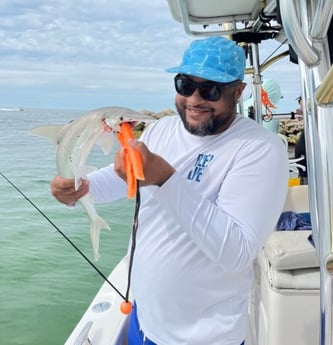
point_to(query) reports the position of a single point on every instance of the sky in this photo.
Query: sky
(71, 54)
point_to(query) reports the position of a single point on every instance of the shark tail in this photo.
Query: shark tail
(96, 225)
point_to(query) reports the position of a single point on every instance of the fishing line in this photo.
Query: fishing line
(73, 244)
(133, 245)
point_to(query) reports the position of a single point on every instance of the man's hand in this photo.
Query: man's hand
(155, 168)
(64, 190)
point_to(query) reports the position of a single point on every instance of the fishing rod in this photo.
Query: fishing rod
(125, 298)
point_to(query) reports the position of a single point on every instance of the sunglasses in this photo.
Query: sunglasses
(209, 90)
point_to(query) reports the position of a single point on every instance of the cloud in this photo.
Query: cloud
(91, 30)
(53, 46)
(84, 54)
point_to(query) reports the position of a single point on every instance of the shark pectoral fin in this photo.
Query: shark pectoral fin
(95, 228)
(82, 174)
(49, 132)
(105, 142)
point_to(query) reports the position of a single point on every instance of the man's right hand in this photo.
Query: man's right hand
(64, 190)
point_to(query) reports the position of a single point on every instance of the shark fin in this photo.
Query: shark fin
(49, 132)
(95, 229)
(105, 141)
(82, 174)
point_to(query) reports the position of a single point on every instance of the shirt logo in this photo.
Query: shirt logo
(200, 165)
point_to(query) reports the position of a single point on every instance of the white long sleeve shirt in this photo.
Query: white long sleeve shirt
(201, 230)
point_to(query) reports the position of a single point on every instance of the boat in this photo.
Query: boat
(290, 302)
(10, 109)
(103, 323)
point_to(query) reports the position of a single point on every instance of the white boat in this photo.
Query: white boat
(103, 323)
(10, 109)
(291, 299)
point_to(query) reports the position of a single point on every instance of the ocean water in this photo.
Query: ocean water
(45, 284)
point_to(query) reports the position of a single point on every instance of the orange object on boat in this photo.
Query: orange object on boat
(294, 181)
(126, 307)
(265, 101)
(133, 161)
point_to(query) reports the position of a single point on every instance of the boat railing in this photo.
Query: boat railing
(296, 37)
(306, 24)
(324, 93)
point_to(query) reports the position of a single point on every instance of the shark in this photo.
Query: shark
(74, 142)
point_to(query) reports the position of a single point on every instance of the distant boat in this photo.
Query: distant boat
(10, 109)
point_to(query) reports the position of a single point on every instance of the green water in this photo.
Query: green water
(45, 284)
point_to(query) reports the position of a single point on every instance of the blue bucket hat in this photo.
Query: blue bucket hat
(213, 58)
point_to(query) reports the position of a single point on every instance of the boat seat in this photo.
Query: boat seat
(286, 250)
(297, 199)
(284, 302)
(287, 280)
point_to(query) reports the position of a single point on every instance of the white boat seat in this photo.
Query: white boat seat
(285, 298)
(297, 199)
(289, 261)
(300, 279)
(288, 258)
(287, 250)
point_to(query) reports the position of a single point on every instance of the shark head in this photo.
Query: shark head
(112, 117)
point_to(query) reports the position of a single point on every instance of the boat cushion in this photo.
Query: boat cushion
(293, 279)
(288, 250)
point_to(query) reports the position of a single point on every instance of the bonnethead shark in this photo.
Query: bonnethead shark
(74, 142)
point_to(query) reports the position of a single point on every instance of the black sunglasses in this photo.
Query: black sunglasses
(208, 90)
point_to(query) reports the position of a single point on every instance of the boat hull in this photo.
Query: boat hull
(103, 323)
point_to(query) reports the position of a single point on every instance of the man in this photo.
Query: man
(208, 204)
(273, 94)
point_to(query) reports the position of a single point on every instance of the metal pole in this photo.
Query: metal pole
(319, 140)
(256, 82)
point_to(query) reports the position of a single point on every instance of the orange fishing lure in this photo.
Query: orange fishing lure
(133, 161)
